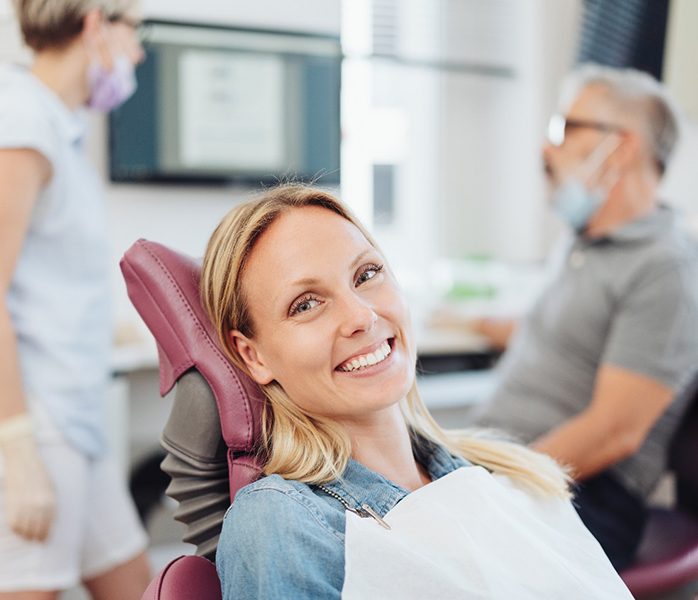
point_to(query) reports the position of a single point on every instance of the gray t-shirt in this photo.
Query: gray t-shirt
(630, 300)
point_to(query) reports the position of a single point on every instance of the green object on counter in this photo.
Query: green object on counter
(468, 291)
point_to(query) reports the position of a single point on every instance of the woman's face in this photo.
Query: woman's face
(331, 325)
(105, 39)
(122, 39)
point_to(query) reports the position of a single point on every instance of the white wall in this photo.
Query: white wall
(465, 145)
(507, 216)
(681, 182)
(321, 16)
(681, 53)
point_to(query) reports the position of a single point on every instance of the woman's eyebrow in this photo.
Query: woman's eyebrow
(360, 257)
(306, 282)
(311, 281)
(288, 293)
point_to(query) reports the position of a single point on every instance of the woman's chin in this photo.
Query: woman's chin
(390, 380)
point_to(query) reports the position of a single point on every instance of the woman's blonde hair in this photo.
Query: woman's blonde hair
(313, 449)
(55, 23)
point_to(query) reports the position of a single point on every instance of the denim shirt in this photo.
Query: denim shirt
(285, 539)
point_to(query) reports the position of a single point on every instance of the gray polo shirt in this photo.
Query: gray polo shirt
(630, 300)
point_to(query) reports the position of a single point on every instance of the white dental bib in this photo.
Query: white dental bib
(474, 535)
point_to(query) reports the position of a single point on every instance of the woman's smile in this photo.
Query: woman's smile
(369, 361)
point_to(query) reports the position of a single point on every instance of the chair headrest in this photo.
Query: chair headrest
(163, 285)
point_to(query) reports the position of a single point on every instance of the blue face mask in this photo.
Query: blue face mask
(575, 204)
(573, 200)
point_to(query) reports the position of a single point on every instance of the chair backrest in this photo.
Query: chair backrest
(683, 457)
(163, 285)
(185, 578)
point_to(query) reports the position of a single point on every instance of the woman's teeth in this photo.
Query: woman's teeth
(367, 360)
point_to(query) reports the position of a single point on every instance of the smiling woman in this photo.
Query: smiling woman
(304, 302)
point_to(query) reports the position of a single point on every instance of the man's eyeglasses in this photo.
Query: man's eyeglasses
(560, 126)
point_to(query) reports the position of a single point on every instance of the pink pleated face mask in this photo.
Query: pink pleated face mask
(109, 89)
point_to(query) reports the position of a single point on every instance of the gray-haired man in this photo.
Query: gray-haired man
(594, 374)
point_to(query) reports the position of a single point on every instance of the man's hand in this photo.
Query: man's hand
(30, 500)
(624, 408)
(497, 330)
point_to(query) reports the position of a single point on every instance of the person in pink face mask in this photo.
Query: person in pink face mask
(65, 513)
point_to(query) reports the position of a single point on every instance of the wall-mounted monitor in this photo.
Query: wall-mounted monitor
(217, 104)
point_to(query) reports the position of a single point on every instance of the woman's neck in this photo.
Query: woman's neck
(63, 71)
(383, 444)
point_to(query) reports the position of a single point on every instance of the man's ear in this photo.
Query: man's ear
(247, 349)
(629, 150)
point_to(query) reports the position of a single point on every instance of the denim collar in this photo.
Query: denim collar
(360, 485)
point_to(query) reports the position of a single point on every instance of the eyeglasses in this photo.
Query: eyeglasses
(560, 126)
(126, 20)
(140, 29)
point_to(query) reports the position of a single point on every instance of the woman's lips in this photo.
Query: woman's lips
(367, 357)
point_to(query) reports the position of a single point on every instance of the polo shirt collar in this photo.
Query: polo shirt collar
(645, 228)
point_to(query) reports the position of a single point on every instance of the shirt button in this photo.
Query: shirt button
(577, 259)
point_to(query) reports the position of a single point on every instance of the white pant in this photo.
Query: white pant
(96, 525)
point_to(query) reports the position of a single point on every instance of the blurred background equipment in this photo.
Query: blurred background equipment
(626, 33)
(221, 103)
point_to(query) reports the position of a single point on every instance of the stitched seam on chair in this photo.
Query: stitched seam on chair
(208, 340)
(161, 583)
(134, 273)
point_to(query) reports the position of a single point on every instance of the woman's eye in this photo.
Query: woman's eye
(303, 305)
(369, 272)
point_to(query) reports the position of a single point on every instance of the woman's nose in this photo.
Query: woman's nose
(357, 315)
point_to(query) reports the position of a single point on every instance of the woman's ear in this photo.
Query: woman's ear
(247, 349)
(92, 26)
(93, 38)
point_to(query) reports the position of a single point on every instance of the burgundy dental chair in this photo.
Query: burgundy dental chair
(211, 438)
(212, 433)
